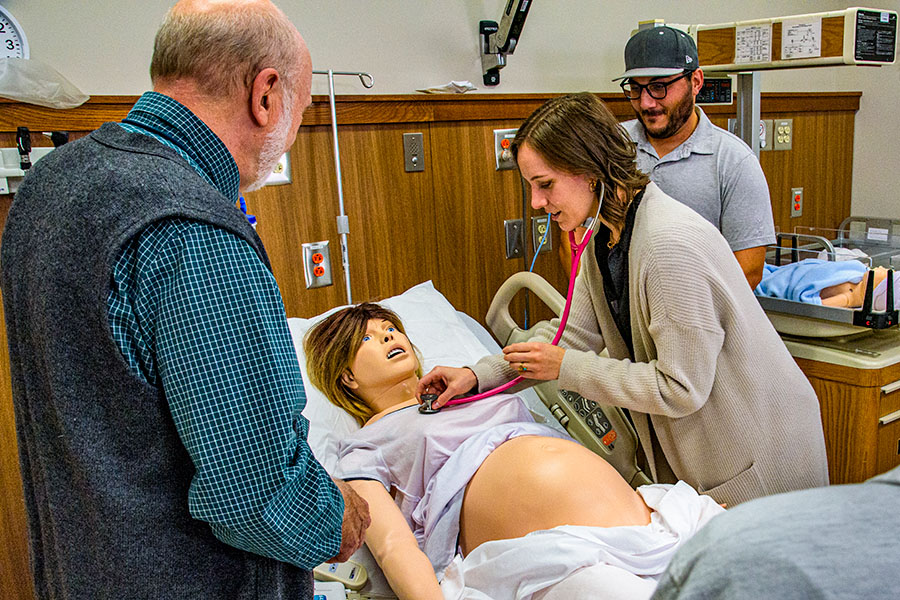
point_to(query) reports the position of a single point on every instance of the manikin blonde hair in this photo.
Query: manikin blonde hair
(331, 346)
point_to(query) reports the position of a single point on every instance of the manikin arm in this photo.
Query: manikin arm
(394, 546)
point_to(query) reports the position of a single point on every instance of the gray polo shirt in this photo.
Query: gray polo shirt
(715, 173)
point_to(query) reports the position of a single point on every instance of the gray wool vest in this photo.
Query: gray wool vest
(106, 477)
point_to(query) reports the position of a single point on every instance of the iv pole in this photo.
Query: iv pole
(343, 223)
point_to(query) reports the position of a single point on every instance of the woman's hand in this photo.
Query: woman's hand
(535, 360)
(447, 382)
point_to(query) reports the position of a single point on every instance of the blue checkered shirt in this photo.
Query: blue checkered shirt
(196, 313)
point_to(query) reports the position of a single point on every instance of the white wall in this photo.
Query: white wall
(567, 45)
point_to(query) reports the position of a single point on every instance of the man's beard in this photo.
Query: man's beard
(272, 149)
(678, 116)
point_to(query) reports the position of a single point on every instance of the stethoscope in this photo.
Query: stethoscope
(577, 250)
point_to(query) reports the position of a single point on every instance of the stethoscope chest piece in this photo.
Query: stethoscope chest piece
(428, 400)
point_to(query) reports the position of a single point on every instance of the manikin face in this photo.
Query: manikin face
(664, 118)
(567, 198)
(384, 359)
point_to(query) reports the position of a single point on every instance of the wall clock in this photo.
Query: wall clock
(12, 37)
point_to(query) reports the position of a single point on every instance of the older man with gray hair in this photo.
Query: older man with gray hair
(156, 389)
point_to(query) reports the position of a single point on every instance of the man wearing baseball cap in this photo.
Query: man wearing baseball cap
(692, 160)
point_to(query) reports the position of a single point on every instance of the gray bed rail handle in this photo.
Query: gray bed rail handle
(498, 318)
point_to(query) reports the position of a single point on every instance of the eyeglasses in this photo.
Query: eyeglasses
(656, 89)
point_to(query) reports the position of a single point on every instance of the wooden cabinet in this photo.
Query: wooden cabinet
(860, 405)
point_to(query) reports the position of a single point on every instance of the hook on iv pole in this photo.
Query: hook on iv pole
(365, 79)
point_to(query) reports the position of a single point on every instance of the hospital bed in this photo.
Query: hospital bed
(445, 336)
(873, 241)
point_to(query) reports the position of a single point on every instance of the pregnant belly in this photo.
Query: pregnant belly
(531, 483)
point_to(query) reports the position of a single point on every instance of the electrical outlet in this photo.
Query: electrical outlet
(515, 238)
(317, 264)
(796, 202)
(413, 154)
(783, 135)
(502, 154)
(281, 172)
(540, 226)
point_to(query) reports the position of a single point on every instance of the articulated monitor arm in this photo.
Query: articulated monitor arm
(499, 40)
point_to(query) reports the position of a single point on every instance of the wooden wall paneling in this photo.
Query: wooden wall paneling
(547, 266)
(472, 201)
(820, 161)
(302, 211)
(392, 213)
(87, 117)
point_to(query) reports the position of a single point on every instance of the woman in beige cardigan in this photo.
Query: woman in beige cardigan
(716, 398)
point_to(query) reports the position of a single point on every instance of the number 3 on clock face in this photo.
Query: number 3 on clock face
(12, 37)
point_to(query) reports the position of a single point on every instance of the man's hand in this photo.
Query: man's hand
(356, 521)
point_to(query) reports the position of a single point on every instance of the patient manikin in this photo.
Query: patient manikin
(480, 496)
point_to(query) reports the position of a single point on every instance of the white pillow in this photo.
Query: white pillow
(433, 326)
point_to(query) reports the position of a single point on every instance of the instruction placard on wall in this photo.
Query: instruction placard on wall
(753, 43)
(801, 38)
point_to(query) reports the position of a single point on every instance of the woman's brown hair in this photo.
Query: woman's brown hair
(577, 134)
(331, 346)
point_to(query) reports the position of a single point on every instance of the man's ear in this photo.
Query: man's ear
(697, 81)
(265, 93)
(348, 380)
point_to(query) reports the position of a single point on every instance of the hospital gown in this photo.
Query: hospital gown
(429, 468)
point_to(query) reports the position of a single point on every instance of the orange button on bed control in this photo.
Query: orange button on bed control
(610, 437)
(319, 271)
(317, 258)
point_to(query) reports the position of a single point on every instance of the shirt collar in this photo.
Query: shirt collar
(175, 125)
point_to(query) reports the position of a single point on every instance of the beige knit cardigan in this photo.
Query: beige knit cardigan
(716, 398)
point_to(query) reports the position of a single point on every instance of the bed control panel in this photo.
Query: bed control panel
(593, 416)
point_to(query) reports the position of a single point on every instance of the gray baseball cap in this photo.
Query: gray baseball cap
(659, 52)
